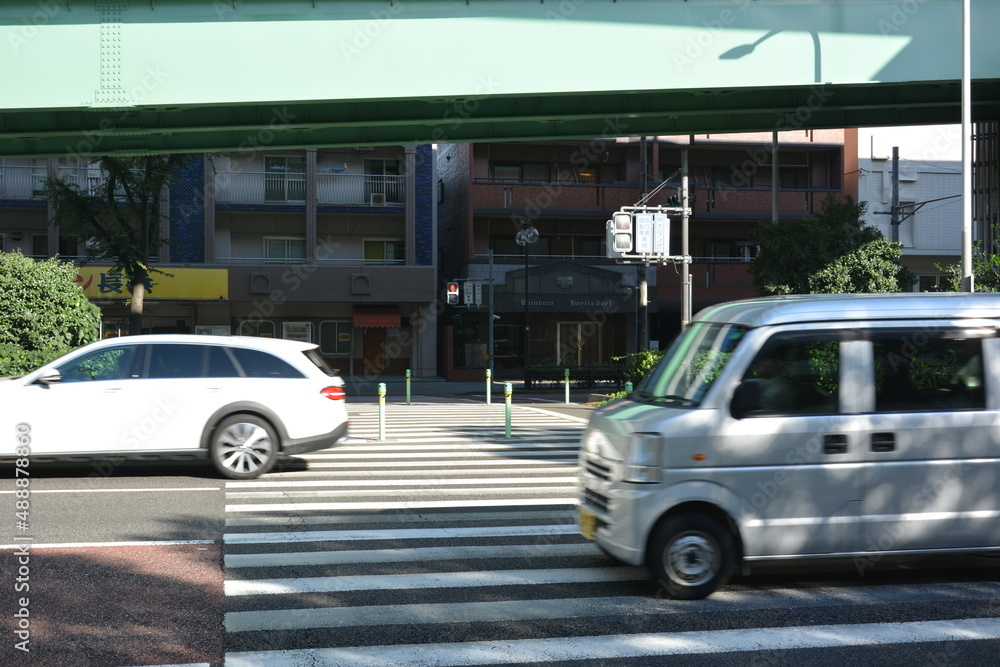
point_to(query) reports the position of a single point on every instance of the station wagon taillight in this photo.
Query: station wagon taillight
(334, 393)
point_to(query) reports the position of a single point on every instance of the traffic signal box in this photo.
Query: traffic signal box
(641, 234)
(452, 293)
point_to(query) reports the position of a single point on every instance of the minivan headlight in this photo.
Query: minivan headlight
(642, 462)
(596, 442)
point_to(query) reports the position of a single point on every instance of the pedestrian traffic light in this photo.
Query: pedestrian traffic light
(452, 293)
(620, 234)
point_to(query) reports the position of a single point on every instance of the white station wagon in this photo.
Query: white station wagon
(236, 400)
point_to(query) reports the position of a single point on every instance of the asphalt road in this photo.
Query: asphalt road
(444, 543)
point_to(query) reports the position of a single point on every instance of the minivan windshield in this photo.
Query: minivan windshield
(691, 364)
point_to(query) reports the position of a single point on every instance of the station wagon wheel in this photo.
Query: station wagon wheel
(690, 556)
(244, 447)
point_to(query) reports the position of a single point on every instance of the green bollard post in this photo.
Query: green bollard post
(566, 373)
(507, 390)
(408, 374)
(489, 384)
(381, 410)
(628, 386)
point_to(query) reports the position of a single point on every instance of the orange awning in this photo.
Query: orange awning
(375, 316)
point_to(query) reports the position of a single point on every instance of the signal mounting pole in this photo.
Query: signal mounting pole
(685, 251)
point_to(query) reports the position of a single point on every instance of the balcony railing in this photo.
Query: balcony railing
(326, 261)
(290, 188)
(22, 182)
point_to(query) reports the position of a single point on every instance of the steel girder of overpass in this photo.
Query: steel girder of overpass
(131, 76)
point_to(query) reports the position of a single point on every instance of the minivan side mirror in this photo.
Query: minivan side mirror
(746, 398)
(50, 378)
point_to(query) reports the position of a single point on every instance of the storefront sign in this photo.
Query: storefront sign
(100, 282)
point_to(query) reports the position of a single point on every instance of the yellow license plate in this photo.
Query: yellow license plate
(588, 523)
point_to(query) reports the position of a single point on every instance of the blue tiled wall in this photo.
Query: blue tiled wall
(424, 181)
(187, 212)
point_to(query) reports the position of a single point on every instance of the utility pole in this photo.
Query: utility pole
(642, 319)
(894, 213)
(685, 251)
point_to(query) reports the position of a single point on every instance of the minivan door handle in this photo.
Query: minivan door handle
(835, 443)
(883, 442)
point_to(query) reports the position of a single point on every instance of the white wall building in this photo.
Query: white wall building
(930, 175)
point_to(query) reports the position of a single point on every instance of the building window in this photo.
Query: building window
(256, 328)
(39, 245)
(284, 249)
(532, 172)
(69, 246)
(594, 174)
(382, 182)
(335, 337)
(791, 179)
(507, 172)
(284, 178)
(934, 282)
(383, 251)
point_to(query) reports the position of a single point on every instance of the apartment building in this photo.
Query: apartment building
(333, 246)
(578, 307)
(929, 187)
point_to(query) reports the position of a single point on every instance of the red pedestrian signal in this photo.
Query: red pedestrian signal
(452, 293)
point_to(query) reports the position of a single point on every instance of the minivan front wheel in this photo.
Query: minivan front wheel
(244, 447)
(690, 556)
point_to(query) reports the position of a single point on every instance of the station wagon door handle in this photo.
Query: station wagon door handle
(883, 442)
(835, 443)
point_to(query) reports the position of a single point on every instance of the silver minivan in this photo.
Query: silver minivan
(849, 426)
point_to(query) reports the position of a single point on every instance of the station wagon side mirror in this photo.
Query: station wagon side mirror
(47, 379)
(746, 399)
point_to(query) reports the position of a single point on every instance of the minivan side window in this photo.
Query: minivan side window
(795, 374)
(928, 370)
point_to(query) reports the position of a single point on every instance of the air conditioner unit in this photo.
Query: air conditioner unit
(378, 199)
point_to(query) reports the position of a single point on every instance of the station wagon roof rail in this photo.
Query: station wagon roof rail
(790, 309)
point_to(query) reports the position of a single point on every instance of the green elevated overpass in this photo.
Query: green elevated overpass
(139, 76)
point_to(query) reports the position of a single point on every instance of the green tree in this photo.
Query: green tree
(985, 270)
(835, 252)
(121, 219)
(43, 312)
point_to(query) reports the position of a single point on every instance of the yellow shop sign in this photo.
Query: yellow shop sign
(100, 282)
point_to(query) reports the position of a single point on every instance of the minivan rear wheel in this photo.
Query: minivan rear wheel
(690, 556)
(244, 447)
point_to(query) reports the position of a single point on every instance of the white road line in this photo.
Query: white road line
(298, 521)
(611, 647)
(412, 493)
(470, 456)
(75, 545)
(154, 489)
(399, 582)
(416, 555)
(369, 464)
(396, 534)
(478, 448)
(629, 606)
(398, 505)
(381, 481)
